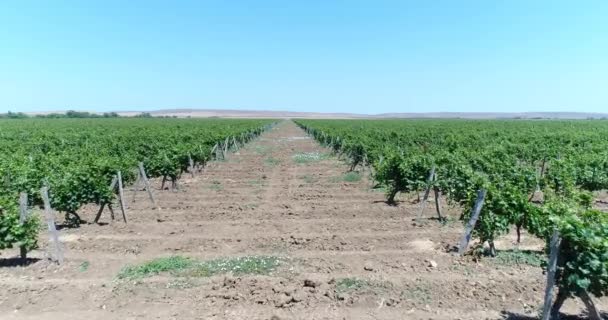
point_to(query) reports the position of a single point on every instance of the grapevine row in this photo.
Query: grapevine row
(514, 161)
(76, 159)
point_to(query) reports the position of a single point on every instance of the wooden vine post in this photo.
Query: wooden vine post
(57, 254)
(214, 151)
(121, 197)
(22, 217)
(144, 178)
(103, 205)
(551, 270)
(136, 185)
(437, 198)
(225, 150)
(191, 165)
(550, 308)
(429, 180)
(466, 237)
(235, 144)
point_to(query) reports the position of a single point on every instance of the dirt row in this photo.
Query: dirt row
(343, 252)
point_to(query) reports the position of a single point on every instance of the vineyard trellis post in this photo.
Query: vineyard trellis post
(235, 144)
(437, 192)
(550, 308)
(429, 180)
(214, 151)
(466, 237)
(548, 312)
(225, 149)
(372, 173)
(103, 205)
(191, 165)
(57, 254)
(121, 196)
(136, 185)
(144, 178)
(22, 217)
(199, 165)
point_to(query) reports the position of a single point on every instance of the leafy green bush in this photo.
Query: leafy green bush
(12, 233)
(583, 256)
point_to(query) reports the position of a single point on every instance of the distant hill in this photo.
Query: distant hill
(311, 115)
(497, 115)
(226, 113)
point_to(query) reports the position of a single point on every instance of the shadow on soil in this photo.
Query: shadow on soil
(17, 262)
(71, 225)
(517, 316)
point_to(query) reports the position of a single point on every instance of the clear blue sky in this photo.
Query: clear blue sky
(338, 56)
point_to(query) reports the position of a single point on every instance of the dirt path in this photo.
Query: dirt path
(344, 253)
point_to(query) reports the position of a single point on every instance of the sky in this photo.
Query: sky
(330, 56)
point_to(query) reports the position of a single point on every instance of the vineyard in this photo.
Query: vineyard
(78, 159)
(249, 219)
(509, 162)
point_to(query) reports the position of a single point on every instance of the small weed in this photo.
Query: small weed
(216, 185)
(352, 177)
(156, 266)
(181, 266)
(419, 293)
(351, 284)
(520, 257)
(355, 284)
(347, 177)
(271, 162)
(84, 266)
(308, 178)
(240, 265)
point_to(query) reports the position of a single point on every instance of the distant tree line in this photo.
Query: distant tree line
(73, 115)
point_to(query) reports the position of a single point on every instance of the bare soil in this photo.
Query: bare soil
(345, 253)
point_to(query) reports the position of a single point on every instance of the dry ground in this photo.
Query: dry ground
(343, 253)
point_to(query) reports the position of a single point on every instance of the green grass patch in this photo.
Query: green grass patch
(240, 265)
(520, 257)
(182, 266)
(156, 266)
(346, 285)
